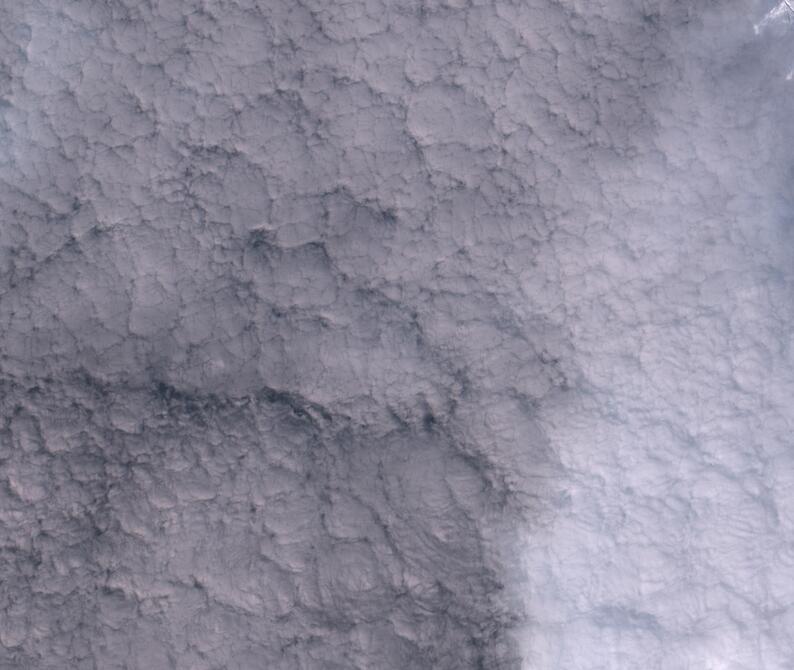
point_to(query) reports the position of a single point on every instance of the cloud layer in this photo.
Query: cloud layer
(395, 335)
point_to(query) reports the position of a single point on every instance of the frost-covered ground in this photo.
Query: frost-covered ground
(396, 336)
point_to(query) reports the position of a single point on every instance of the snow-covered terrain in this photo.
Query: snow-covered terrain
(396, 335)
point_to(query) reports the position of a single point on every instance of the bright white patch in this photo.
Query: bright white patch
(783, 12)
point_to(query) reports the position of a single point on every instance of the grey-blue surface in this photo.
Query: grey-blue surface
(396, 335)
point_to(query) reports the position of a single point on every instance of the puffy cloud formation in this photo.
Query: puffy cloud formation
(426, 334)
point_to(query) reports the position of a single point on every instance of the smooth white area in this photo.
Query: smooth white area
(673, 548)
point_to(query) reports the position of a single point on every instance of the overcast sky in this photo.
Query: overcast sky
(396, 335)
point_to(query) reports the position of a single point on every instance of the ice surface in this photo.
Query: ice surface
(395, 335)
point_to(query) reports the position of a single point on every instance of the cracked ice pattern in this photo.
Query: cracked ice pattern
(394, 335)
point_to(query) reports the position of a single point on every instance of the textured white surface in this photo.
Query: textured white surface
(673, 544)
(396, 335)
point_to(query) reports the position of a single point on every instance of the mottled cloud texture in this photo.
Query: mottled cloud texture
(396, 335)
